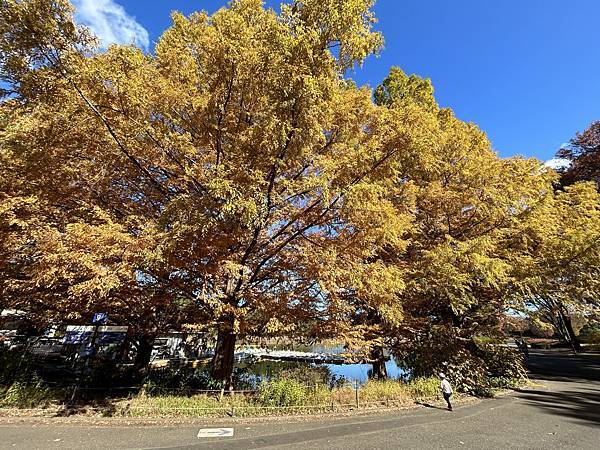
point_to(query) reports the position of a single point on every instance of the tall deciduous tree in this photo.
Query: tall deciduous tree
(558, 252)
(216, 181)
(468, 203)
(563, 254)
(583, 152)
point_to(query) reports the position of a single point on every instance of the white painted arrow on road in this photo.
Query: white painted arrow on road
(215, 432)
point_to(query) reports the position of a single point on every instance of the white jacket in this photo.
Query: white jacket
(445, 386)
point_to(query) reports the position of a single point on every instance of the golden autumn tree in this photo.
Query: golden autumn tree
(234, 180)
(557, 272)
(228, 179)
(442, 272)
(488, 234)
(69, 244)
(468, 204)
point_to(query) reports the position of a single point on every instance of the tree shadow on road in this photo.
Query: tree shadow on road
(579, 396)
(562, 366)
(582, 405)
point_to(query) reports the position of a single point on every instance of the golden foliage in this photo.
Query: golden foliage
(234, 178)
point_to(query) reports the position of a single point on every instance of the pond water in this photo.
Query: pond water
(268, 369)
(360, 372)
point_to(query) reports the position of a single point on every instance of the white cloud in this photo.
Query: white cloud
(557, 163)
(110, 23)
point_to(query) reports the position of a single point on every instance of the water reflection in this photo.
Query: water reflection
(265, 370)
(361, 372)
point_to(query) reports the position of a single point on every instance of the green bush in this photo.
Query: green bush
(24, 395)
(14, 365)
(283, 393)
(421, 388)
(379, 390)
(590, 333)
(467, 373)
(504, 383)
(307, 375)
(185, 379)
(502, 362)
(180, 379)
(484, 368)
(489, 340)
(471, 365)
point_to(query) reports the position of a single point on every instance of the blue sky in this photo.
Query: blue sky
(526, 71)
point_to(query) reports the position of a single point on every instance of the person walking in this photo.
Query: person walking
(446, 390)
(523, 347)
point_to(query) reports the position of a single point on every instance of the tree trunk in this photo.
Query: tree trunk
(378, 361)
(145, 343)
(222, 363)
(571, 336)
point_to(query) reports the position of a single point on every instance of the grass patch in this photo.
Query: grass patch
(281, 397)
(286, 392)
(23, 395)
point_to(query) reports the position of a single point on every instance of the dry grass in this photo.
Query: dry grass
(281, 398)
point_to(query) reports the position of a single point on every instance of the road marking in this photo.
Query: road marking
(215, 432)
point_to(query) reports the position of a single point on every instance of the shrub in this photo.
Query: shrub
(421, 388)
(489, 340)
(502, 362)
(590, 333)
(378, 390)
(467, 373)
(181, 379)
(484, 368)
(14, 365)
(283, 393)
(308, 375)
(186, 379)
(470, 364)
(504, 383)
(24, 395)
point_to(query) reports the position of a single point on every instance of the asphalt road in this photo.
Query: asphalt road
(565, 413)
